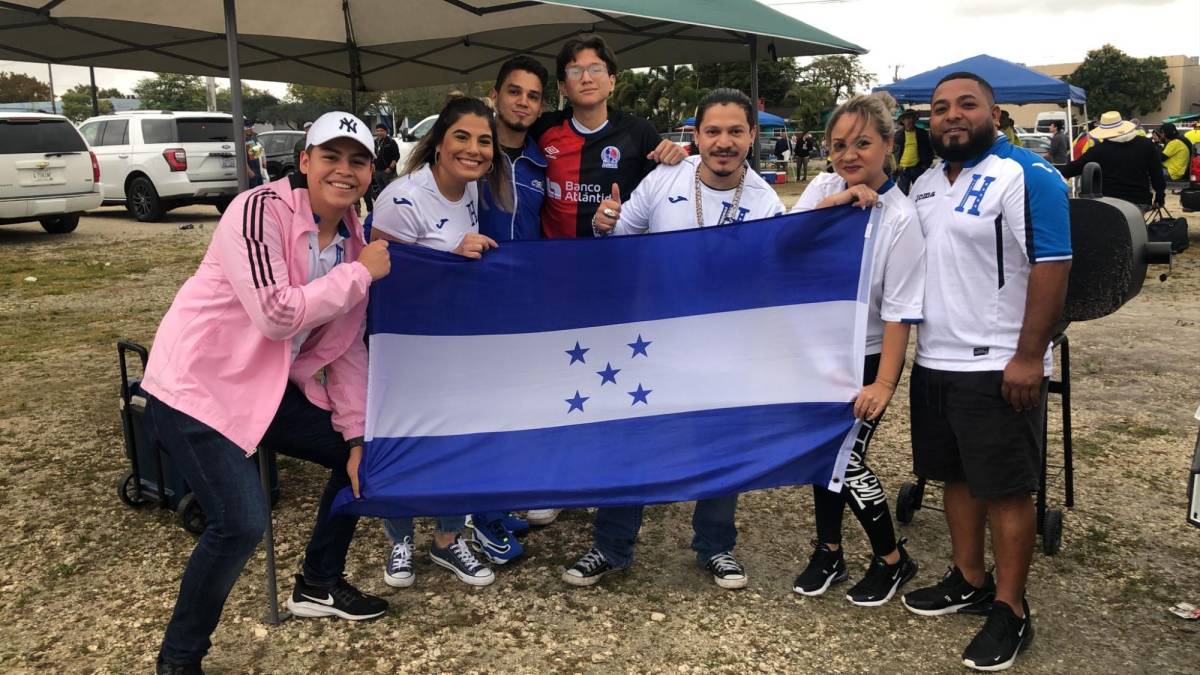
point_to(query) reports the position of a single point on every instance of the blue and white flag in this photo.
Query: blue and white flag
(627, 370)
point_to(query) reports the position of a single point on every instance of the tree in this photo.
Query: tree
(167, 91)
(257, 105)
(775, 78)
(1117, 81)
(77, 101)
(844, 76)
(19, 88)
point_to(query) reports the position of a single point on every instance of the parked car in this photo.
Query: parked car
(280, 147)
(1036, 143)
(47, 172)
(409, 138)
(683, 139)
(154, 161)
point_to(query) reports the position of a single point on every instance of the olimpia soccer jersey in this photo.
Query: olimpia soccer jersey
(582, 165)
(413, 210)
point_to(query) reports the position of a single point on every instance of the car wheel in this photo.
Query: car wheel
(60, 224)
(142, 200)
(222, 204)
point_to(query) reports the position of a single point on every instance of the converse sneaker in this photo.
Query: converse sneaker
(457, 558)
(497, 543)
(726, 571)
(1002, 637)
(541, 517)
(825, 568)
(341, 600)
(589, 569)
(398, 573)
(951, 594)
(883, 580)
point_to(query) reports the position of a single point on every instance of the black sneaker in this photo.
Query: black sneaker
(458, 558)
(589, 569)
(951, 594)
(726, 570)
(825, 568)
(164, 668)
(341, 600)
(997, 644)
(883, 580)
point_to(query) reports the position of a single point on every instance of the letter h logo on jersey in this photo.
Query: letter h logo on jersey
(977, 194)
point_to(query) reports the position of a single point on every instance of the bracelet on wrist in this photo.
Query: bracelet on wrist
(887, 383)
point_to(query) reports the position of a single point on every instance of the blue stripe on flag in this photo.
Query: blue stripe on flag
(674, 458)
(546, 285)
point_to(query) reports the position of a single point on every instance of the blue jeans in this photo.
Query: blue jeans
(399, 528)
(615, 530)
(226, 484)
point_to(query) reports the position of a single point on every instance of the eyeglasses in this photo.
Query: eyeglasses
(595, 70)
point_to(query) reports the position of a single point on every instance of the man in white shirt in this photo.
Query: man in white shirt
(715, 188)
(998, 253)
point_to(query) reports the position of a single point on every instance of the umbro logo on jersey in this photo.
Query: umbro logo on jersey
(441, 224)
(403, 201)
(924, 195)
(550, 151)
(677, 199)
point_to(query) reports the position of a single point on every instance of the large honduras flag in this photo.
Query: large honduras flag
(628, 370)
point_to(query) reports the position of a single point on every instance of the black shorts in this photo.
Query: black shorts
(964, 430)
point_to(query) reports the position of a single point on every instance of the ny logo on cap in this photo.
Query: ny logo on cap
(349, 125)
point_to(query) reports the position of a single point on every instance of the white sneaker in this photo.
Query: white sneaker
(398, 573)
(542, 516)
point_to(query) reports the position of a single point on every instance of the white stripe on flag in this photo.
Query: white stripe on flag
(450, 385)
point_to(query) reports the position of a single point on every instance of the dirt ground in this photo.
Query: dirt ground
(87, 584)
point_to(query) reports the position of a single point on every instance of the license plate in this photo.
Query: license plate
(42, 177)
(228, 162)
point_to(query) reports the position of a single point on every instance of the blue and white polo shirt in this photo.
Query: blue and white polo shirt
(1006, 211)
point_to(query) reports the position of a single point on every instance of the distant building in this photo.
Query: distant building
(1183, 71)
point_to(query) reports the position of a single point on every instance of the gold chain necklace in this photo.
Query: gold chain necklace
(737, 196)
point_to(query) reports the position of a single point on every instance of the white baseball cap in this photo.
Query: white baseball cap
(333, 125)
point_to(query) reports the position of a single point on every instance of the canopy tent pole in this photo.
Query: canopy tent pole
(95, 101)
(1070, 125)
(355, 63)
(53, 105)
(235, 97)
(754, 100)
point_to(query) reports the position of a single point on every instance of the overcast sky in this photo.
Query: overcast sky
(915, 35)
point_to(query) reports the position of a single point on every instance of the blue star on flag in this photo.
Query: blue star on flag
(639, 395)
(639, 347)
(577, 402)
(577, 353)
(609, 374)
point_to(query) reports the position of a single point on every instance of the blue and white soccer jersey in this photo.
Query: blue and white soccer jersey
(898, 264)
(412, 209)
(665, 200)
(1005, 212)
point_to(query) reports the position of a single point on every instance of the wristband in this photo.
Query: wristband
(887, 383)
(354, 443)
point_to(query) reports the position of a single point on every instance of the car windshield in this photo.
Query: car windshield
(21, 136)
(204, 130)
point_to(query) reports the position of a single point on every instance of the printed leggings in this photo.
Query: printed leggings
(861, 490)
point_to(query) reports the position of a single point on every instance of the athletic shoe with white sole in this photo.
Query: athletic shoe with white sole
(515, 524)
(541, 517)
(882, 580)
(398, 573)
(727, 571)
(825, 568)
(951, 595)
(589, 569)
(497, 543)
(1002, 637)
(341, 600)
(457, 558)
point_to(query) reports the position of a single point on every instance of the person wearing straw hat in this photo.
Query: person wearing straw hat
(1129, 163)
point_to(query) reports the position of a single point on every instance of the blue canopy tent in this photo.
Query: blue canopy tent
(765, 120)
(1012, 83)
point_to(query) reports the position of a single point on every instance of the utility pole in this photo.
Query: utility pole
(896, 72)
(53, 105)
(95, 101)
(211, 83)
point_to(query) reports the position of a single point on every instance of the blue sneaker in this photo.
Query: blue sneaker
(497, 543)
(515, 524)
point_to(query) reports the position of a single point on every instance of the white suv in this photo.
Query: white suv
(47, 172)
(154, 161)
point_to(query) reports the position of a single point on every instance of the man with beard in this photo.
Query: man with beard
(998, 252)
(715, 188)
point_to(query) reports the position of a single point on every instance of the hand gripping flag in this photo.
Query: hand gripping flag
(627, 370)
